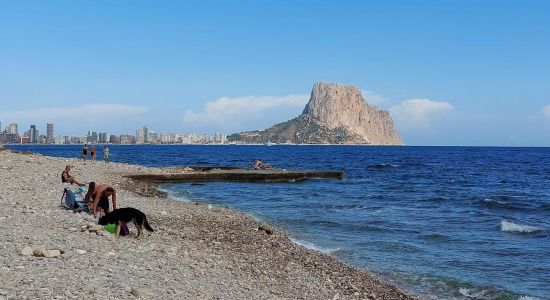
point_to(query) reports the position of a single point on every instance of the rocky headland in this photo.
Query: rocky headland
(335, 114)
(197, 251)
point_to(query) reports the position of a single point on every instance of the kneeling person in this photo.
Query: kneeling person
(101, 199)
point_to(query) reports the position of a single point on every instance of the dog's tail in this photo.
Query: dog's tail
(147, 226)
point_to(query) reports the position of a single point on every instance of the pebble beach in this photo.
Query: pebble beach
(197, 251)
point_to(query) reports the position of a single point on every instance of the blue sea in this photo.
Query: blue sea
(442, 222)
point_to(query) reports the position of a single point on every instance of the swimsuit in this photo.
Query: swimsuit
(104, 203)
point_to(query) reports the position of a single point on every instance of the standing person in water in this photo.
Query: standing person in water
(85, 152)
(101, 196)
(106, 153)
(92, 152)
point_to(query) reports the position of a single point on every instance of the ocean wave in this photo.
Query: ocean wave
(489, 201)
(507, 226)
(312, 246)
(436, 237)
(488, 293)
(523, 297)
(174, 194)
(383, 166)
(357, 180)
(506, 203)
(438, 199)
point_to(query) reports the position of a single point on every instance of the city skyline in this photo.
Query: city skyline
(143, 135)
(450, 72)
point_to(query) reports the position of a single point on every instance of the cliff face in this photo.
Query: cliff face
(335, 114)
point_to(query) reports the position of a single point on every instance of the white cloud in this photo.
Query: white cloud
(373, 98)
(419, 112)
(75, 118)
(245, 113)
(545, 110)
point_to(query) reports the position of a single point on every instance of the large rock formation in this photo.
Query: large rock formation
(335, 114)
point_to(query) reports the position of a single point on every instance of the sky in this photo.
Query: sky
(451, 72)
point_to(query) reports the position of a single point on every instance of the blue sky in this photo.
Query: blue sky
(450, 72)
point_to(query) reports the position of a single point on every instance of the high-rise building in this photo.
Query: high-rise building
(33, 134)
(113, 139)
(49, 134)
(8, 138)
(92, 137)
(142, 135)
(103, 138)
(146, 134)
(152, 137)
(167, 138)
(12, 128)
(127, 139)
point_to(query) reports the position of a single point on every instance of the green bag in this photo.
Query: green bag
(110, 228)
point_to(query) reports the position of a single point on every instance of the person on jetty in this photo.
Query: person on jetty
(67, 178)
(92, 153)
(101, 194)
(85, 152)
(260, 165)
(106, 153)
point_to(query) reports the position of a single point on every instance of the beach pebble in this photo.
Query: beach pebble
(142, 292)
(27, 251)
(51, 253)
(80, 251)
(67, 254)
(95, 228)
(39, 252)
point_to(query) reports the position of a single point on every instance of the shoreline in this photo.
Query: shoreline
(198, 250)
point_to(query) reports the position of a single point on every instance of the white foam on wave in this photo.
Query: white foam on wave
(489, 200)
(507, 226)
(312, 246)
(473, 293)
(173, 195)
(523, 297)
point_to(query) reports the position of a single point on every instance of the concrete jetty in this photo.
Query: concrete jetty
(205, 174)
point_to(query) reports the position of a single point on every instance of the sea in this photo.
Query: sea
(441, 222)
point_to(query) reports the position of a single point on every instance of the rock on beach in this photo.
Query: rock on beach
(196, 252)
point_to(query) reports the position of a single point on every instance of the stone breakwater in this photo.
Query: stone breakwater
(197, 251)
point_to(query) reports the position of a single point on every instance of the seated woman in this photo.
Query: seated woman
(66, 177)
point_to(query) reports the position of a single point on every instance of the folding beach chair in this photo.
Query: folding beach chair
(73, 199)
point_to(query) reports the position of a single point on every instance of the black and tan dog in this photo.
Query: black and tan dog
(126, 215)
